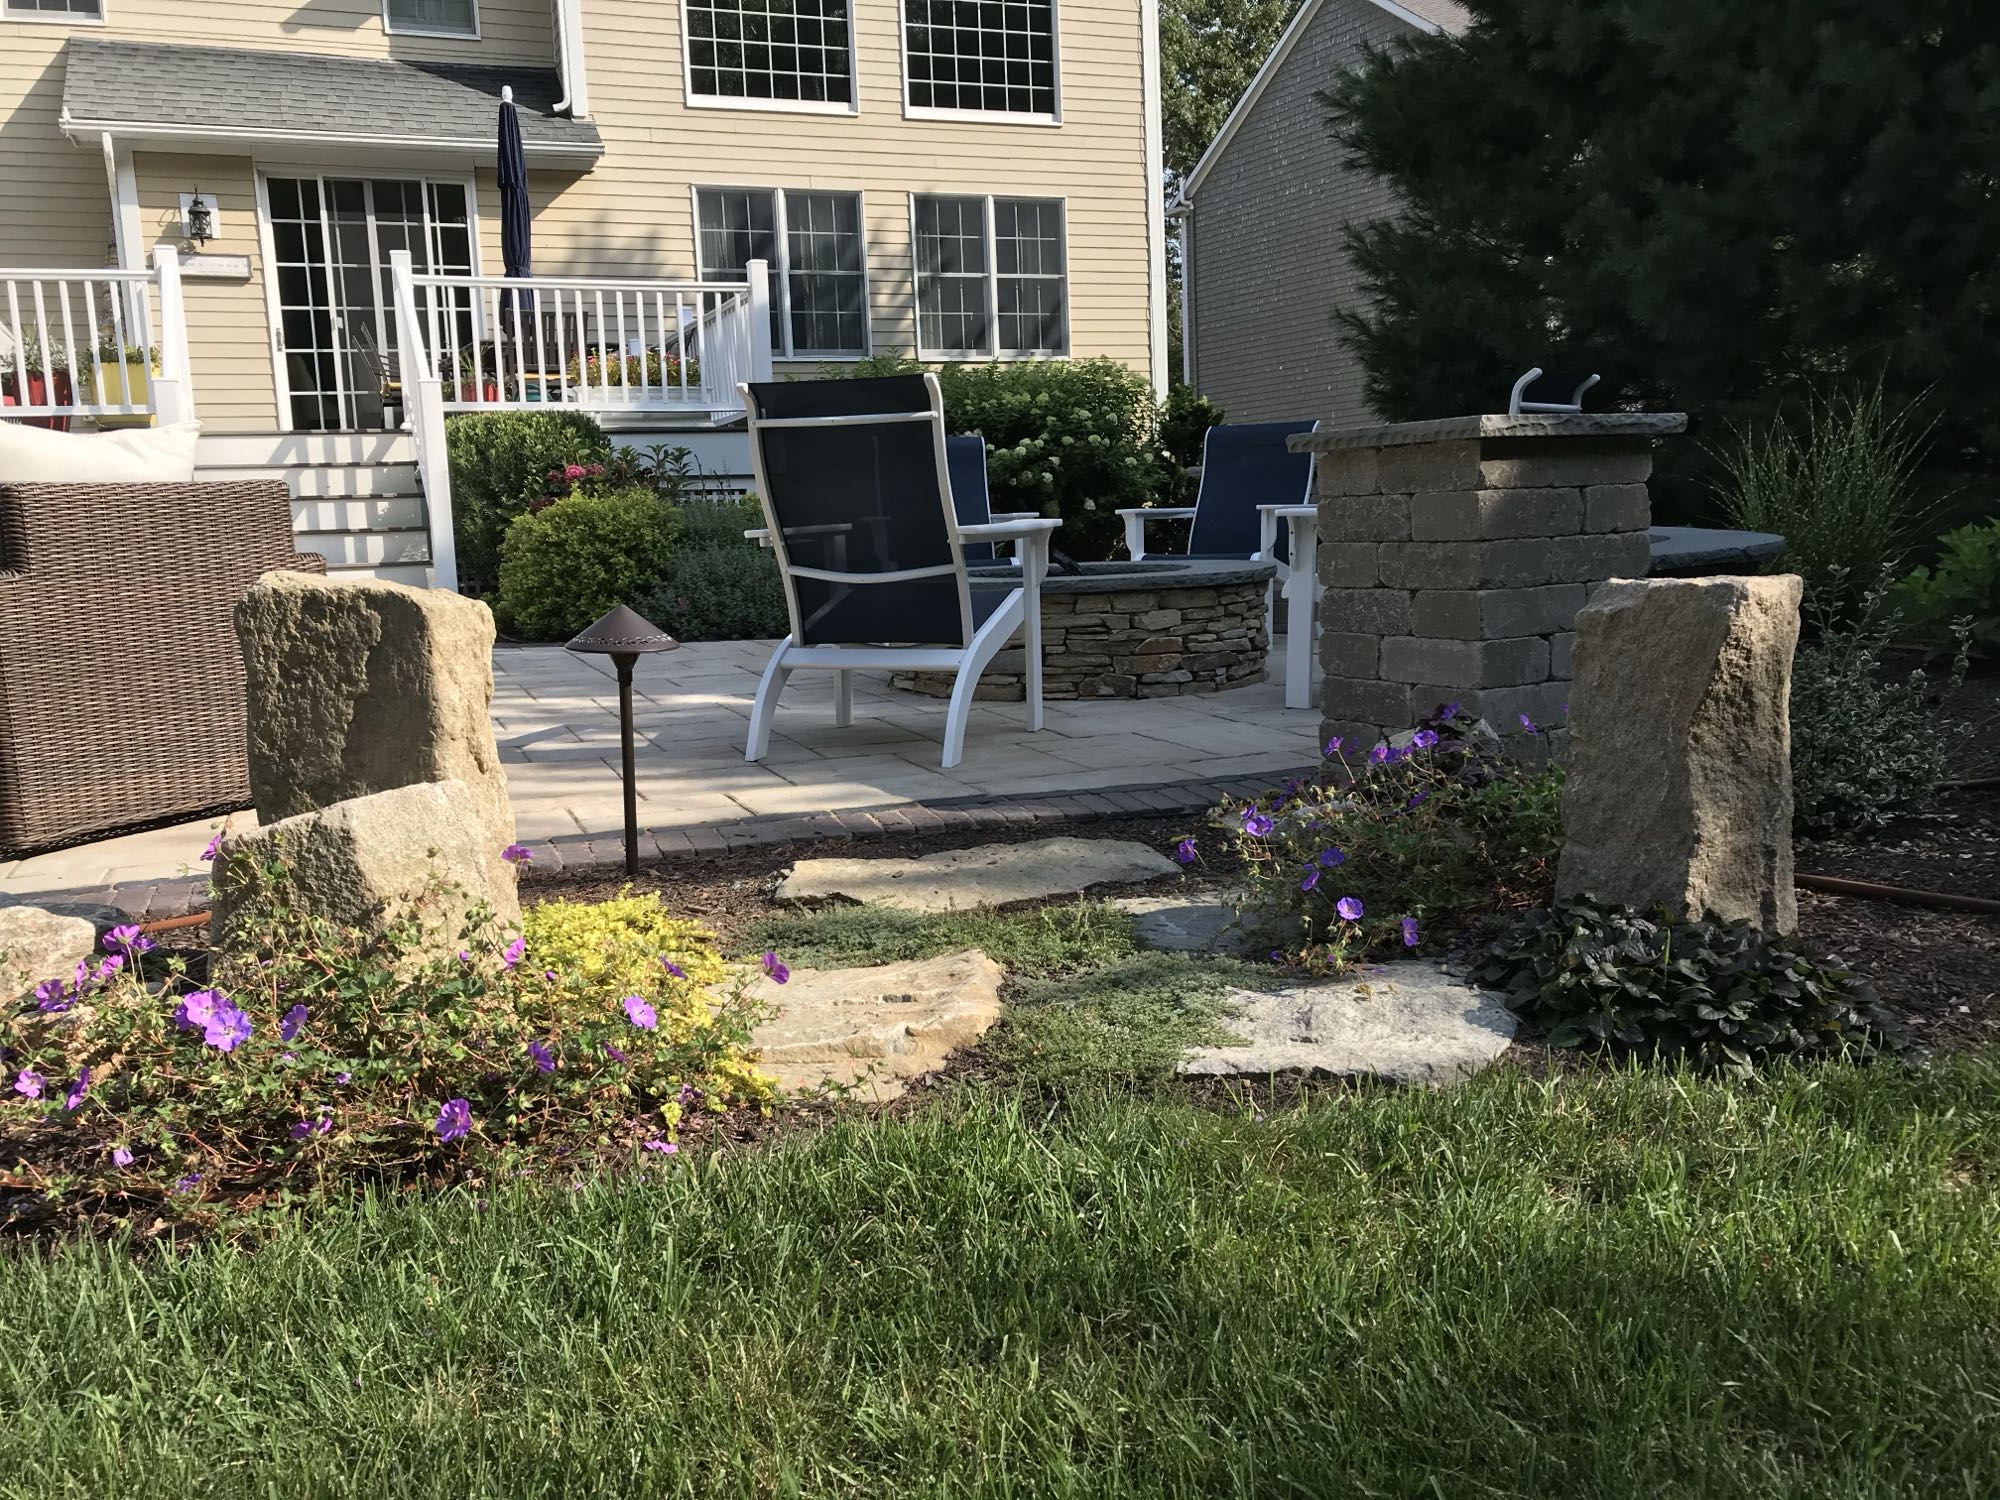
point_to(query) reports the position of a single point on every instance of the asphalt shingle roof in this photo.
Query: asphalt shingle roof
(236, 91)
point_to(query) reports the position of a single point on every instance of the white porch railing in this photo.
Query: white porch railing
(606, 346)
(107, 345)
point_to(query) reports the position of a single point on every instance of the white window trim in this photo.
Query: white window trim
(55, 18)
(456, 36)
(770, 106)
(781, 265)
(993, 351)
(988, 116)
(268, 267)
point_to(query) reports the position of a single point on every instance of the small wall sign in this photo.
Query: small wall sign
(215, 268)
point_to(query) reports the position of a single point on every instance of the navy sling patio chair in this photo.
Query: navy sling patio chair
(1246, 471)
(965, 463)
(854, 479)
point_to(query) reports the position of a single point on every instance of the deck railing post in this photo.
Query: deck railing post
(423, 412)
(759, 274)
(173, 388)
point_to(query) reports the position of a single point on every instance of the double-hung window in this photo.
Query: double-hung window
(431, 17)
(991, 57)
(785, 54)
(992, 277)
(813, 242)
(53, 10)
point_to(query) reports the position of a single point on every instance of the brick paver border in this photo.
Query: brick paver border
(160, 900)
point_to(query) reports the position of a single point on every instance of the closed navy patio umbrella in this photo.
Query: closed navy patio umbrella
(516, 218)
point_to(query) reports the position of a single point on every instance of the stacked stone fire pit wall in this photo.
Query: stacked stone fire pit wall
(1136, 630)
(1456, 555)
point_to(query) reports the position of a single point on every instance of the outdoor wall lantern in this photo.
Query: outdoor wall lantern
(625, 636)
(198, 218)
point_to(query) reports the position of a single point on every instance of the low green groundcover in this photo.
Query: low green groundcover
(1642, 1283)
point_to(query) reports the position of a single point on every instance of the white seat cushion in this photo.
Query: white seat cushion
(35, 455)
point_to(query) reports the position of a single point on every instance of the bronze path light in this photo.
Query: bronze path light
(625, 636)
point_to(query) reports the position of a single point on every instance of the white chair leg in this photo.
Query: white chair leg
(765, 706)
(843, 700)
(957, 712)
(1031, 629)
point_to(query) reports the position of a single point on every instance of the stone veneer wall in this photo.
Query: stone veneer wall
(1146, 643)
(1456, 554)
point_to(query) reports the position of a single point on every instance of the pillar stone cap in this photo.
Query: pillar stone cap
(1607, 424)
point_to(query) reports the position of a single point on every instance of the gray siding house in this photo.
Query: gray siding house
(1261, 218)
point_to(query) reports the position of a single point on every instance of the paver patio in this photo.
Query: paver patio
(556, 719)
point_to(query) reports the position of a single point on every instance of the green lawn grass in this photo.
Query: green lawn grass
(1632, 1284)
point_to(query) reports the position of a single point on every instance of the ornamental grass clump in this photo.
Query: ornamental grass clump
(1391, 851)
(312, 1055)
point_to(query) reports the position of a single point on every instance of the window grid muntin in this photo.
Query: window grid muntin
(981, 56)
(987, 294)
(770, 51)
(817, 286)
(50, 10)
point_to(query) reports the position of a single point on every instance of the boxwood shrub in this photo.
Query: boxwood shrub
(565, 563)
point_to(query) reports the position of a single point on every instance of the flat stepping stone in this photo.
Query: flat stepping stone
(38, 944)
(875, 1029)
(1406, 1022)
(1193, 921)
(987, 875)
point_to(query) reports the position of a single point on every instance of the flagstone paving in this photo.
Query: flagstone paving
(555, 716)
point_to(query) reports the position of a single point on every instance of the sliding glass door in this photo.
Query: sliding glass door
(331, 238)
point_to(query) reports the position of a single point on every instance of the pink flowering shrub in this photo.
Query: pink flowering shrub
(1390, 851)
(311, 1054)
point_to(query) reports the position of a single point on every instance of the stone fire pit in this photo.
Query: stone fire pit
(1152, 629)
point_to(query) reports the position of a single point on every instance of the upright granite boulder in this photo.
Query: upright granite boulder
(38, 944)
(362, 687)
(1679, 786)
(369, 861)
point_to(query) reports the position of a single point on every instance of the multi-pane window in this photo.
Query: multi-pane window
(819, 302)
(782, 51)
(431, 17)
(55, 10)
(992, 276)
(992, 56)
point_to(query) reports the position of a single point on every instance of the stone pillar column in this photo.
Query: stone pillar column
(1456, 554)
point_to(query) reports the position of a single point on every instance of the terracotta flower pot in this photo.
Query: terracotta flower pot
(38, 395)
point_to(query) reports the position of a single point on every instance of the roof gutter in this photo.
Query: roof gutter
(144, 128)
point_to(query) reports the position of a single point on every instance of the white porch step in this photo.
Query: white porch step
(403, 512)
(367, 549)
(284, 450)
(331, 480)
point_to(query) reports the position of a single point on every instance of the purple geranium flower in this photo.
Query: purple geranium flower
(28, 1083)
(120, 1157)
(1255, 823)
(666, 1146)
(343, 1078)
(1410, 932)
(1423, 739)
(673, 968)
(545, 1061)
(614, 1054)
(1333, 745)
(776, 967)
(77, 1090)
(1350, 908)
(292, 1022)
(517, 854)
(53, 995)
(1529, 724)
(127, 939)
(107, 966)
(1380, 754)
(212, 848)
(305, 1128)
(640, 1014)
(228, 1027)
(454, 1120)
(195, 1008)
(514, 952)
(1328, 858)
(1312, 878)
(188, 1183)
(1185, 852)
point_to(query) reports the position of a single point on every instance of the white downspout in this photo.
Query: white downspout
(569, 59)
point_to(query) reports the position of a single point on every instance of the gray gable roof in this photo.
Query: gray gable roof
(224, 92)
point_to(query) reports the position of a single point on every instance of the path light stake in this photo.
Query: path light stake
(625, 636)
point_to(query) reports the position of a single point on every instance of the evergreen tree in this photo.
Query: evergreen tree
(1720, 207)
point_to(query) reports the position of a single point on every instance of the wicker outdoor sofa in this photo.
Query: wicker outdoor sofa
(121, 686)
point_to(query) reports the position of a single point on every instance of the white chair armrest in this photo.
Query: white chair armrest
(1160, 512)
(1015, 515)
(1001, 531)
